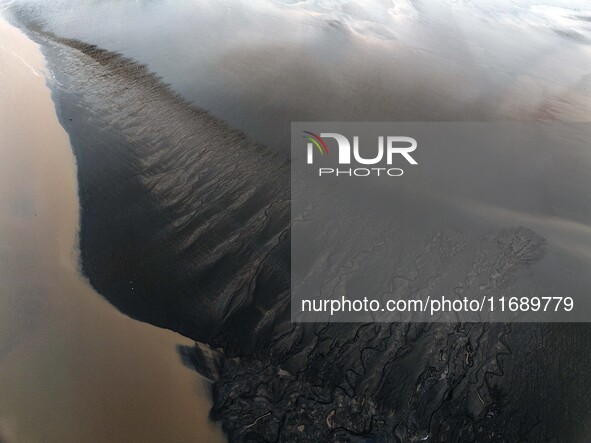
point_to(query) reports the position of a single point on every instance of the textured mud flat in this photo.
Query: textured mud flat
(185, 224)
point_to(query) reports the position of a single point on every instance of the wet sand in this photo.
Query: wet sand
(72, 368)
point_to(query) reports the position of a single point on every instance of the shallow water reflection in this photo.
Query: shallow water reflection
(260, 65)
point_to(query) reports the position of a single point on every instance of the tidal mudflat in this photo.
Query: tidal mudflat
(178, 112)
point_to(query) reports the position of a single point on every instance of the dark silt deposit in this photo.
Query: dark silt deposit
(185, 224)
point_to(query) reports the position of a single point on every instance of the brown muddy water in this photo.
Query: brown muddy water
(72, 368)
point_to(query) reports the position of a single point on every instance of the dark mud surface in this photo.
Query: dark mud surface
(185, 224)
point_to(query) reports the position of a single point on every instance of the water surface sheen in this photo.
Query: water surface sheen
(260, 65)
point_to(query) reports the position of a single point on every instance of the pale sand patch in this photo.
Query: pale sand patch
(72, 368)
